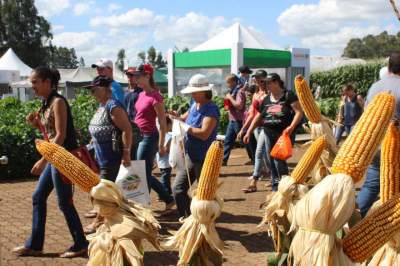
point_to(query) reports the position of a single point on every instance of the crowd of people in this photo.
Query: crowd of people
(135, 125)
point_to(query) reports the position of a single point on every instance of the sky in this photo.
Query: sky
(99, 28)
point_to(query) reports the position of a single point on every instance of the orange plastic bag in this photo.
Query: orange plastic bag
(282, 150)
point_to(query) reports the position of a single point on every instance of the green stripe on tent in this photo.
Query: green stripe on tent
(260, 58)
(209, 59)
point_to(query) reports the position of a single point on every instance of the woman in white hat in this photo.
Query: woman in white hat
(201, 124)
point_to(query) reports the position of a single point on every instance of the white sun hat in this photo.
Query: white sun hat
(197, 83)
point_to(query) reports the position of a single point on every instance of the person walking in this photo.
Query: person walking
(149, 108)
(105, 67)
(235, 103)
(111, 134)
(130, 100)
(260, 153)
(280, 111)
(391, 82)
(350, 110)
(55, 116)
(200, 124)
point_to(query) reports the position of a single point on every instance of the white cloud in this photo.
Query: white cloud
(49, 8)
(133, 18)
(82, 8)
(113, 7)
(56, 27)
(189, 30)
(330, 24)
(77, 40)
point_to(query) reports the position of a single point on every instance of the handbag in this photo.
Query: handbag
(116, 135)
(81, 153)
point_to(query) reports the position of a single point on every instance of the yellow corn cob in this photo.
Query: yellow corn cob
(373, 231)
(390, 164)
(208, 181)
(70, 166)
(307, 101)
(360, 146)
(309, 159)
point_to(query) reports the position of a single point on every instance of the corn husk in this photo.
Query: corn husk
(198, 228)
(126, 224)
(317, 217)
(322, 168)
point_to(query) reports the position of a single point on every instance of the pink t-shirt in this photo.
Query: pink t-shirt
(145, 114)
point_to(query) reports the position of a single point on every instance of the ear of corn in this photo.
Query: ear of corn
(390, 164)
(208, 181)
(359, 148)
(307, 101)
(70, 166)
(373, 231)
(309, 159)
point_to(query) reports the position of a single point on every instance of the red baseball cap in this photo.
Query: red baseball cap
(144, 69)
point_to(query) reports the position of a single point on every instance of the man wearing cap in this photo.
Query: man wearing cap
(130, 101)
(105, 67)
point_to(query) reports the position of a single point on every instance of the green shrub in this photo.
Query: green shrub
(329, 107)
(360, 76)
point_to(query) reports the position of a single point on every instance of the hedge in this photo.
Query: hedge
(17, 138)
(360, 76)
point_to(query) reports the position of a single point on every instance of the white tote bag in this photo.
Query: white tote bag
(132, 181)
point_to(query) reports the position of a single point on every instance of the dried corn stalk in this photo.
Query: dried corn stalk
(290, 187)
(330, 204)
(360, 146)
(197, 239)
(317, 217)
(320, 126)
(390, 186)
(126, 224)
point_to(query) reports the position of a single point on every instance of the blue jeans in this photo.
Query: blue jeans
(181, 185)
(251, 148)
(49, 179)
(166, 179)
(230, 137)
(370, 190)
(340, 130)
(260, 155)
(278, 168)
(147, 150)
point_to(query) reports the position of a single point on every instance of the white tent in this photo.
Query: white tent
(227, 51)
(10, 61)
(236, 34)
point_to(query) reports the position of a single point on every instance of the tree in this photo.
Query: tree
(151, 55)
(22, 29)
(142, 56)
(159, 63)
(121, 59)
(62, 57)
(372, 46)
(81, 62)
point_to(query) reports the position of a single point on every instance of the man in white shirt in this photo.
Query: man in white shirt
(391, 82)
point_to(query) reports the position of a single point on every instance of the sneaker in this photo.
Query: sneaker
(23, 251)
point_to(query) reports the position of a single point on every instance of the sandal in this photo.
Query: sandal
(23, 251)
(250, 189)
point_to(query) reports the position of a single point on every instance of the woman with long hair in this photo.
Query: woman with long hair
(279, 111)
(149, 108)
(55, 115)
